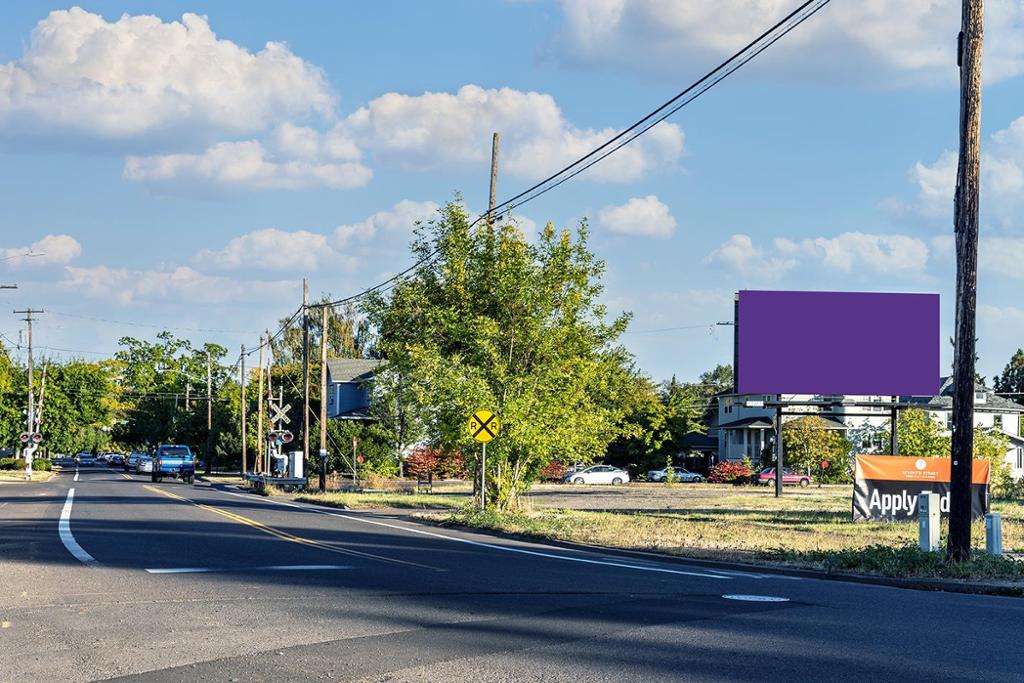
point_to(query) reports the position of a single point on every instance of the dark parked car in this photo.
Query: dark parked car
(85, 459)
(767, 477)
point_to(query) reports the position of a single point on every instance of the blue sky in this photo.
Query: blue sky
(179, 171)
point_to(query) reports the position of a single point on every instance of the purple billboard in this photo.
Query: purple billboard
(837, 343)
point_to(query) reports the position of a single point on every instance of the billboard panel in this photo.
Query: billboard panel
(887, 487)
(837, 343)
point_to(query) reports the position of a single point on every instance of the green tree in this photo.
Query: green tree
(919, 435)
(807, 442)
(1011, 380)
(499, 322)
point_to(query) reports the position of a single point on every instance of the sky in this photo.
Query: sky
(183, 165)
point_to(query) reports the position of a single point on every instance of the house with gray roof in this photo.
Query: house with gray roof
(349, 384)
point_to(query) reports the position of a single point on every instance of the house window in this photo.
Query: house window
(1020, 458)
(949, 420)
(979, 396)
(997, 421)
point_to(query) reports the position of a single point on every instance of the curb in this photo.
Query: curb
(932, 585)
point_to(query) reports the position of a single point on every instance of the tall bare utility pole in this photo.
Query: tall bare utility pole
(209, 412)
(30, 417)
(493, 198)
(259, 414)
(965, 210)
(241, 381)
(305, 370)
(323, 396)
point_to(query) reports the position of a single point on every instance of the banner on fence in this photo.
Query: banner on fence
(886, 487)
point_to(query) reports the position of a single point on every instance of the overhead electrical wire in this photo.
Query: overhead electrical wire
(740, 58)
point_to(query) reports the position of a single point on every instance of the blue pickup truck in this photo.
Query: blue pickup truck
(174, 461)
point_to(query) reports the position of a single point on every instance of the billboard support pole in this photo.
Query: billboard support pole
(894, 442)
(778, 451)
(965, 214)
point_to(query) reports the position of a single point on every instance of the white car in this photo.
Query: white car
(598, 474)
(144, 465)
(682, 474)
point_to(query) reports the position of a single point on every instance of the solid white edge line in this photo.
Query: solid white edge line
(64, 529)
(269, 568)
(523, 551)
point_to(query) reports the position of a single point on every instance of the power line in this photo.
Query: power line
(740, 58)
(148, 325)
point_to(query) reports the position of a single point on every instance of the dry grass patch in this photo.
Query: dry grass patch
(397, 499)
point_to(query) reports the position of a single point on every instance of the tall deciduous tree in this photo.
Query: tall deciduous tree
(808, 442)
(495, 321)
(1011, 380)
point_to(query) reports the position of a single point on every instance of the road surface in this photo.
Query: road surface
(129, 580)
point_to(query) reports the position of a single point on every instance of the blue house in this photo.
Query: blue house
(349, 381)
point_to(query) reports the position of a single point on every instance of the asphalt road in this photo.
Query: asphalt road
(167, 582)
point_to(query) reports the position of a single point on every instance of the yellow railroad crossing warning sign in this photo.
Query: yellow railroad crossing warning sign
(484, 425)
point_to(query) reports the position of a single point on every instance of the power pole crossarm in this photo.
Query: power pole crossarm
(966, 230)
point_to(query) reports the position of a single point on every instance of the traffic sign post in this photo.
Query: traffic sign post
(484, 426)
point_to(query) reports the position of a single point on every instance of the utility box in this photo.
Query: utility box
(295, 465)
(994, 533)
(928, 520)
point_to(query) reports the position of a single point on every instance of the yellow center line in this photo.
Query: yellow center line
(284, 536)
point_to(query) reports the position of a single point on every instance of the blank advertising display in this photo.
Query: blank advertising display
(837, 343)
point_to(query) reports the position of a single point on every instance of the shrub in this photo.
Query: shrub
(11, 464)
(444, 464)
(41, 465)
(553, 471)
(729, 472)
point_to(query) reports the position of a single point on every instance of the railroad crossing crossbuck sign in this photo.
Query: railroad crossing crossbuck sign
(279, 413)
(484, 425)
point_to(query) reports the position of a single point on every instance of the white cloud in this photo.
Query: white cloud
(1002, 256)
(1002, 178)
(849, 250)
(50, 250)
(179, 284)
(739, 254)
(873, 42)
(432, 130)
(273, 249)
(82, 75)
(399, 219)
(641, 216)
(244, 165)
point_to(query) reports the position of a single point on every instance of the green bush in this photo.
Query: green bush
(11, 464)
(41, 465)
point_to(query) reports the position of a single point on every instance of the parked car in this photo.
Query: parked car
(682, 474)
(144, 464)
(101, 456)
(598, 474)
(115, 459)
(176, 461)
(85, 459)
(767, 477)
(62, 460)
(131, 463)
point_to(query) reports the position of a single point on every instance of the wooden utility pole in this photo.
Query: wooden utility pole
(259, 414)
(241, 381)
(30, 416)
(493, 200)
(965, 210)
(209, 412)
(305, 371)
(323, 396)
(270, 398)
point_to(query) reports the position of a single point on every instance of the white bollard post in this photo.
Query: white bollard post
(994, 533)
(928, 519)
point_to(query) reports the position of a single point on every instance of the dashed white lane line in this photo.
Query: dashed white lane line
(76, 474)
(270, 568)
(64, 528)
(502, 548)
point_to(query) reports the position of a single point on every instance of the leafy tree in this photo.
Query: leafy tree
(1011, 381)
(918, 435)
(807, 442)
(499, 322)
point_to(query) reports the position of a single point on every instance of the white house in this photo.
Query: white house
(744, 426)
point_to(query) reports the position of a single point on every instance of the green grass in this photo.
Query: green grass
(813, 531)
(355, 501)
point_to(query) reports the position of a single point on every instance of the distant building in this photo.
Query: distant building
(349, 383)
(744, 427)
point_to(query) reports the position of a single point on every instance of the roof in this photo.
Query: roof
(749, 423)
(351, 369)
(698, 441)
(944, 401)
